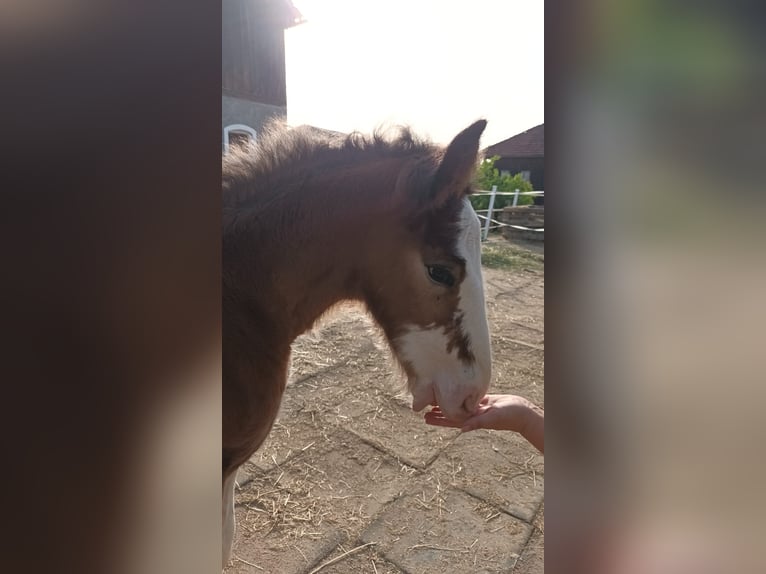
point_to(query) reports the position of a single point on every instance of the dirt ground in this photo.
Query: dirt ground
(350, 473)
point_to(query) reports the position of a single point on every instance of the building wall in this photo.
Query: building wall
(253, 63)
(254, 114)
(534, 165)
(253, 52)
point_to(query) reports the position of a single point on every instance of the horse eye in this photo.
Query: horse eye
(441, 275)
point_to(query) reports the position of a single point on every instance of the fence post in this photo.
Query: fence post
(515, 198)
(489, 212)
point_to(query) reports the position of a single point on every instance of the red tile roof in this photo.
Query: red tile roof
(530, 143)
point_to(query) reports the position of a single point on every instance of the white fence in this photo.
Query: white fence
(490, 223)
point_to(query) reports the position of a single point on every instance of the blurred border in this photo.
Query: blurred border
(655, 279)
(111, 285)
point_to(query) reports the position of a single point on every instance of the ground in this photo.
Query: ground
(351, 473)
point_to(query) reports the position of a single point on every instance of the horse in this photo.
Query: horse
(311, 219)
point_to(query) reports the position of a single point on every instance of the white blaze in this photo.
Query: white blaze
(441, 376)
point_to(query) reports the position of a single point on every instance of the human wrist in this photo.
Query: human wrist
(533, 428)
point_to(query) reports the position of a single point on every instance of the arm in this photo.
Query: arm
(534, 430)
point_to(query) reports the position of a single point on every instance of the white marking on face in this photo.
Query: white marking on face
(441, 376)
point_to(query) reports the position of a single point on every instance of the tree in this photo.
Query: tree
(488, 175)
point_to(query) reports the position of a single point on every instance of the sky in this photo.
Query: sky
(436, 65)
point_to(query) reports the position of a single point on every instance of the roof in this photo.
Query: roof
(282, 12)
(322, 131)
(294, 17)
(530, 143)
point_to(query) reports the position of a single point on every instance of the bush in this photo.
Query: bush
(488, 175)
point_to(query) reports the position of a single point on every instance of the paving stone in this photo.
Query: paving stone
(531, 334)
(511, 476)
(306, 418)
(365, 560)
(449, 531)
(532, 557)
(275, 555)
(393, 427)
(287, 441)
(321, 498)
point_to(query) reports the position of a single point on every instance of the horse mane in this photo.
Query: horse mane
(281, 152)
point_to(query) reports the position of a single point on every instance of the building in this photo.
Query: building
(253, 64)
(523, 153)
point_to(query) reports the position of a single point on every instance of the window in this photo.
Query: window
(525, 175)
(237, 134)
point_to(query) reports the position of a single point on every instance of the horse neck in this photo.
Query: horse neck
(313, 247)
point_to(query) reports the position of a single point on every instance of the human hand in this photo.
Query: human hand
(499, 412)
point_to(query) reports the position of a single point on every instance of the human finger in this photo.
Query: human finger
(441, 421)
(469, 425)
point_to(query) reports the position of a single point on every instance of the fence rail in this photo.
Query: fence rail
(509, 193)
(490, 223)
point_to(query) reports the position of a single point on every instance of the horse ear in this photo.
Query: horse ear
(457, 167)
(435, 180)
